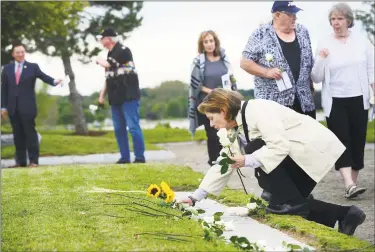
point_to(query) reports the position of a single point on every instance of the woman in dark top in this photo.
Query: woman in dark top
(277, 51)
(211, 69)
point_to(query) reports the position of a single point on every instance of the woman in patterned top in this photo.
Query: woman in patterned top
(281, 50)
(211, 69)
(277, 53)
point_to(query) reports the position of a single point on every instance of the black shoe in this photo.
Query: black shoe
(17, 165)
(122, 162)
(352, 220)
(266, 195)
(300, 210)
(137, 161)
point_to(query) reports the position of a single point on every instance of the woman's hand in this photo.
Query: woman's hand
(324, 53)
(240, 161)
(206, 89)
(274, 73)
(187, 201)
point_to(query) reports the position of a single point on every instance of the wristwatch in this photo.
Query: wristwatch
(192, 199)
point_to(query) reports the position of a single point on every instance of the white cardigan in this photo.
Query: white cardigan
(321, 69)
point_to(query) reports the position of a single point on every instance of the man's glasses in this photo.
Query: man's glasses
(289, 14)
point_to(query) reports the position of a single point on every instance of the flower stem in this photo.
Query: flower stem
(144, 212)
(126, 196)
(156, 209)
(158, 233)
(231, 153)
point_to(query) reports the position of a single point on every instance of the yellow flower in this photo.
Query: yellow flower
(165, 187)
(170, 196)
(153, 191)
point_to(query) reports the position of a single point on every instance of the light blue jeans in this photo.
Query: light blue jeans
(123, 116)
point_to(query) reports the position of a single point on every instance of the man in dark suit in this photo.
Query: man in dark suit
(19, 103)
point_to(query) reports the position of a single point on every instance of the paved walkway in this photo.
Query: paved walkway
(246, 226)
(108, 158)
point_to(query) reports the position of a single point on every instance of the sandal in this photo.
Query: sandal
(353, 191)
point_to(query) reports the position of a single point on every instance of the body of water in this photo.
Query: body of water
(183, 123)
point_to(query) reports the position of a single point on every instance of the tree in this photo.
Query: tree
(367, 19)
(17, 20)
(47, 107)
(64, 29)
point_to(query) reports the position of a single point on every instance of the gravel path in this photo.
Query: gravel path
(330, 189)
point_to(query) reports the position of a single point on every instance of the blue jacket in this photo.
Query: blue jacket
(21, 96)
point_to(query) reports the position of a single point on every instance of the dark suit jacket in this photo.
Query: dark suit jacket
(21, 96)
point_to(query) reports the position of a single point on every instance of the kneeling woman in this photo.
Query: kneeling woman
(290, 153)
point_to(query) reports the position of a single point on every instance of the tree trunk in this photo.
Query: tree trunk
(75, 99)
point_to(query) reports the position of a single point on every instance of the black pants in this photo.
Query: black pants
(348, 121)
(213, 143)
(297, 107)
(25, 138)
(289, 184)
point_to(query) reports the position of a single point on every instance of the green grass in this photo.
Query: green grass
(370, 134)
(60, 145)
(49, 209)
(62, 142)
(316, 235)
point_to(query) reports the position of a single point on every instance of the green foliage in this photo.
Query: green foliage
(260, 210)
(244, 244)
(64, 29)
(65, 112)
(47, 107)
(247, 94)
(367, 19)
(169, 100)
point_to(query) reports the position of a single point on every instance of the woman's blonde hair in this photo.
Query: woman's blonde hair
(345, 10)
(222, 100)
(216, 39)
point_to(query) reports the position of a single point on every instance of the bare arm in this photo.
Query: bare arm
(103, 93)
(206, 89)
(253, 68)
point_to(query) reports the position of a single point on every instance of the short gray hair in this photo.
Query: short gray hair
(114, 39)
(345, 10)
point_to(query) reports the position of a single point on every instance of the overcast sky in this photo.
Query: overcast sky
(165, 44)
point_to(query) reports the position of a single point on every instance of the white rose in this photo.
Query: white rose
(223, 137)
(269, 57)
(209, 219)
(222, 133)
(262, 244)
(229, 225)
(93, 107)
(251, 206)
(240, 211)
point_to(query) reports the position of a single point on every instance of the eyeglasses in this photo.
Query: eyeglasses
(289, 14)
